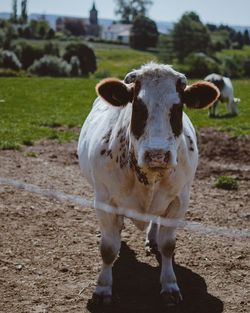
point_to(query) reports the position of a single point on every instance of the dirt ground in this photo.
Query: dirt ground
(49, 257)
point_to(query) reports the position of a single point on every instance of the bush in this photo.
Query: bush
(200, 65)
(51, 48)
(227, 182)
(233, 67)
(247, 67)
(102, 74)
(9, 73)
(50, 66)
(75, 66)
(85, 55)
(8, 59)
(28, 53)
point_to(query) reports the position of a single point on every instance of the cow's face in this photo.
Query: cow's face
(157, 94)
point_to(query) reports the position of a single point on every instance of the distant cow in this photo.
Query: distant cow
(225, 86)
(137, 148)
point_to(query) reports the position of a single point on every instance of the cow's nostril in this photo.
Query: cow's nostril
(148, 156)
(157, 157)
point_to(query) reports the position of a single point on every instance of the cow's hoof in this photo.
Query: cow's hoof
(151, 247)
(101, 299)
(171, 298)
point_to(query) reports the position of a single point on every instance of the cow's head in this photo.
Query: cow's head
(156, 94)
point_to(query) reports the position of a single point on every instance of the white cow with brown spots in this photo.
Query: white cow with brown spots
(138, 150)
(224, 84)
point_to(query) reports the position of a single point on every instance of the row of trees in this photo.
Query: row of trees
(24, 13)
(194, 46)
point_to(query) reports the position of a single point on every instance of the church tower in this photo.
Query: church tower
(93, 15)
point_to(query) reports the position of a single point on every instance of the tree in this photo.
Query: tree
(165, 48)
(130, 9)
(14, 11)
(246, 37)
(190, 35)
(85, 55)
(24, 14)
(50, 34)
(144, 33)
(239, 40)
(74, 26)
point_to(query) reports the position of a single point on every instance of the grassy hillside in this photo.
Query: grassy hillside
(36, 108)
(243, 53)
(119, 61)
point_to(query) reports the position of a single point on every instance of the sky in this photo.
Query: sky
(232, 12)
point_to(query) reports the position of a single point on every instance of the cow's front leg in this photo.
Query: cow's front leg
(110, 225)
(170, 291)
(212, 111)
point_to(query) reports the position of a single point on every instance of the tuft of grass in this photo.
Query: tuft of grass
(9, 145)
(31, 154)
(28, 142)
(227, 183)
(53, 136)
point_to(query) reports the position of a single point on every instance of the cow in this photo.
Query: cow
(138, 150)
(225, 86)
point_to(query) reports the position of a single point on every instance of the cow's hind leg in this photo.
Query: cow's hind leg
(151, 239)
(110, 225)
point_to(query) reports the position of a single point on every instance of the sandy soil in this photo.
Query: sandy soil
(49, 255)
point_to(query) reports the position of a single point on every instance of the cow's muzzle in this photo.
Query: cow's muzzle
(157, 159)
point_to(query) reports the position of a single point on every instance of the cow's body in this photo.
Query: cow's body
(224, 84)
(141, 157)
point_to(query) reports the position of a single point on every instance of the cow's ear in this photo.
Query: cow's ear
(115, 92)
(200, 95)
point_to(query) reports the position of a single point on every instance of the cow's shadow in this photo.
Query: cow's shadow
(136, 288)
(223, 116)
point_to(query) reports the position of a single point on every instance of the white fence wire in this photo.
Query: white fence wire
(210, 230)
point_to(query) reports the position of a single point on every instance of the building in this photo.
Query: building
(91, 25)
(117, 32)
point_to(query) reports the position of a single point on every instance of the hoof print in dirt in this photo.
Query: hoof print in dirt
(171, 298)
(98, 300)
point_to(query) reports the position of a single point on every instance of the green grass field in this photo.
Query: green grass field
(243, 53)
(36, 108)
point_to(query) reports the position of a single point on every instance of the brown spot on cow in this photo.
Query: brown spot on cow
(139, 114)
(108, 254)
(109, 153)
(141, 176)
(168, 249)
(176, 119)
(103, 151)
(191, 143)
(106, 137)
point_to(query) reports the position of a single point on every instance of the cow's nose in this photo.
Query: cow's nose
(157, 158)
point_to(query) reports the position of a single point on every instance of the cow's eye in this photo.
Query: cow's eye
(180, 85)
